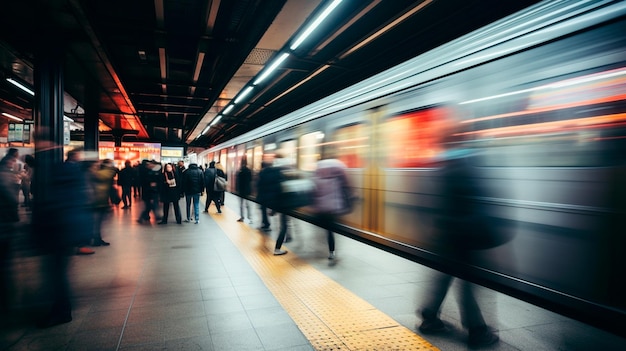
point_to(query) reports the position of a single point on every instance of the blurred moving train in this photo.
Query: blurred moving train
(540, 98)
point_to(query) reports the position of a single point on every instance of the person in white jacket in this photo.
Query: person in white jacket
(332, 197)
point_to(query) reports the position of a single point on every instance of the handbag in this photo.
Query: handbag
(296, 193)
(219, 184)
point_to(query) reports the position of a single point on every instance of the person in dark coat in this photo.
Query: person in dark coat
(209, 184)
(263, 195)
(126, 179)
(244, 188)
(193, 186)
(170, 193)
(151, 177)
(460, 217)
(66, 221)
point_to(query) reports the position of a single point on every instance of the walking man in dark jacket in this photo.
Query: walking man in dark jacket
(126, 179)
(193, 186)
(243, 187)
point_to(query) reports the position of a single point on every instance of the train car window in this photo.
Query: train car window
(413, 139)
(569, 122)
(310, 150)
(257, 158)
(288, 149)
(350, 143)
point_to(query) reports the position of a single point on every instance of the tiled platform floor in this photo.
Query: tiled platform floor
(188, 287)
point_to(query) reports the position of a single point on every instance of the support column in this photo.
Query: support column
(92, 117)
(48, 116)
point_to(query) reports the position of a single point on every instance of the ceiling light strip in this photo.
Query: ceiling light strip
(346, 26)
(12, 117)
(302, 37)
(20, 85)
(386, 28)
(243, 94)
(196, 72)
(271, 68)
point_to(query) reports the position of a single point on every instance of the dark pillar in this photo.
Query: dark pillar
(92, 107)
(48, 116)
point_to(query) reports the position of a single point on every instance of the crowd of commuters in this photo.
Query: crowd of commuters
(82, 193)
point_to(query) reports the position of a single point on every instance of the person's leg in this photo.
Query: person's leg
(196, 207)
(166, 212)
(281, 235)
(431, 308)
(241, 200)
(188, 198)
(247, 204)
(145, 214)
(177, 211)
(266, 221)
(218, 202)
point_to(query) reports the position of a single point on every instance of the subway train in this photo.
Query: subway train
(539, 101)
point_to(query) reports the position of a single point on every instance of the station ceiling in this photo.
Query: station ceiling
(168, 68)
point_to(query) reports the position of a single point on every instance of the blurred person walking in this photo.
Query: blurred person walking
(460, 219)
(102, 182)
(27, 177)
(137, 180)
(171, 190)
(66, 221)
(213, 193)
(262, 195)
(126, 179)
(332, 196)
(151, 177)
(244, 189)
(193, 186)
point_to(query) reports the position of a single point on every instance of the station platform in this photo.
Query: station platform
(216, 285)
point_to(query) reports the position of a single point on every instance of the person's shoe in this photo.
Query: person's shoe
(219, 211)
(432, 326)
(125, 207)
(481, 336)
(161, 222)
(85, 251)
(278, 252)
(240, 220)
(206, 211)
(196, 222)
(100, 242)
(331, 256)
(267, 229)
(179, 222)
(187, 220)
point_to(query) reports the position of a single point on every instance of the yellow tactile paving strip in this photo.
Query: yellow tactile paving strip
(330, 316)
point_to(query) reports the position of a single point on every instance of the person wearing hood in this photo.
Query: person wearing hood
(332, 196)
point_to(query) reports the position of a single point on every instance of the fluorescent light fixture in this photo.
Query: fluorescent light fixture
(206, 129)
(228, 109)
(217, 119)
(271, 68)
(314, 24)
(162, 64)
(12, 117)
(65, 118)
(243, 94)
(21, 86)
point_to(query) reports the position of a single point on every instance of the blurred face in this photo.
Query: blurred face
(168, 167)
